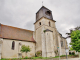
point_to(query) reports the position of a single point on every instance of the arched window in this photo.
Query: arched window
(39, 23)
(61, 43)
(49, 23)
(13, 45)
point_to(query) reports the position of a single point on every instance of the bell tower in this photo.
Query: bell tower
(44, 12)
(45, 32)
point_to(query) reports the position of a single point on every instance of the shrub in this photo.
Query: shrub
(73, 53)
(39, 53)
(44, 31)
(62, 55)
(26, 57)
(25, 48)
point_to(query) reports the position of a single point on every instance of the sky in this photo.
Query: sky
(22, 13)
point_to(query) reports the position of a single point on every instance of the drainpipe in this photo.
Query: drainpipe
(0, 50)
(1, 41)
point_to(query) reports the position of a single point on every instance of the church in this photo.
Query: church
(44, 41)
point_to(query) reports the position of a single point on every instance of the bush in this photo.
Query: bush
(73, 53)
(25, 48)
(62, 55)
(26, 57)
(38, 53)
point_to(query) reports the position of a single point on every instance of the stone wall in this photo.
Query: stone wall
(1, 41)
(49, 44)
(59, 42)
(41, 38)
(8, 52)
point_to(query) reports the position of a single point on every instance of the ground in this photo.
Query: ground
(71, 59)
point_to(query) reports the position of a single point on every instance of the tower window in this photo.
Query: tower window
(61, 43)
(49, 24)
(39, 23)
(13, 45)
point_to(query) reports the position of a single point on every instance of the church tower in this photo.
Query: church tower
(45, 32)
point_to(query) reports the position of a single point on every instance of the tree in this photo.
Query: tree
(25, 48)
(75, 39)
(71, 49)
(74, 29)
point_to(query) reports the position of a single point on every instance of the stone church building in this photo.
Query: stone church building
(44, 41)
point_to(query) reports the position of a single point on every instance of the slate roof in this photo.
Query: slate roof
(9, 32)
(43, 7)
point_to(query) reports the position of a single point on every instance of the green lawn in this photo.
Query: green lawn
(37, 57)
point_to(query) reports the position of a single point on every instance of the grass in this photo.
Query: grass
(69, 55)
(30, 58)
(56, 57)
(11, 59)
(37, 57)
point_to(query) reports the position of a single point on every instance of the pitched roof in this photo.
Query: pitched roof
(15, 33)
(43, 7)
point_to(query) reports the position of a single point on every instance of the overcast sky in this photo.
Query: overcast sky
(21, 13)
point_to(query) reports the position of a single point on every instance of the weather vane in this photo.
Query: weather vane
(42, 3)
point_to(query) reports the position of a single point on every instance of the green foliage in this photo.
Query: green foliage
(11, 58)
(25, 48)
(2, 59)
(71, 49)
(26, 57)
(75, 40)
(35, 55)
(73, 53)
(39, 53)
(38, 57)
(44, 31)
(56, 57)
(62, 55)
(46, 58)
(69, 34)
